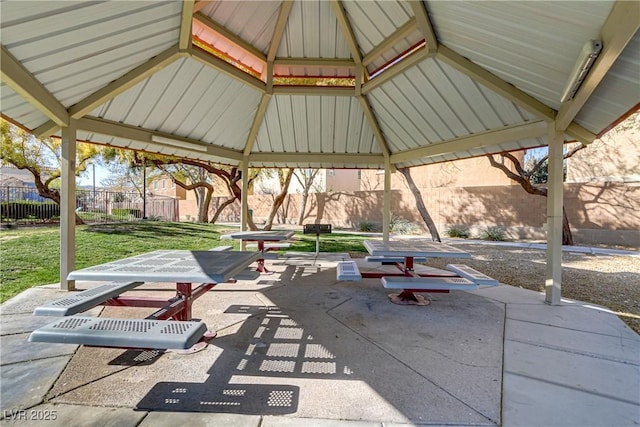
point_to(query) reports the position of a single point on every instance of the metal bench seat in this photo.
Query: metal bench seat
(428, 283)
(123, 333)
(348, 271)
(85, 300)
(472, 274)
(391, 259)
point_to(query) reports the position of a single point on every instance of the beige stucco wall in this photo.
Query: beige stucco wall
(615, 157)
(460, 173)
(598, 212)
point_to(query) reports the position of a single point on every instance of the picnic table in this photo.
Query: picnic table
(265, 241)
(155, 331)
(403, 253)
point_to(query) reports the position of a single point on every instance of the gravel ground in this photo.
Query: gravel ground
(610, 281)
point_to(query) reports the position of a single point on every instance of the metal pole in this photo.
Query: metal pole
(144, 192)
(94, 185)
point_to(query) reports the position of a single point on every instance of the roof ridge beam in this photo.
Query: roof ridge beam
(276, 37)
(120, 130)
(226, 68)
(234, 38)
(621, 25)
(375, 126)
(315, 62)
(257, 121)
(390, 41)
(424, 25)
(185, 23)
(409, 61)
(21, 81)
(314, 90)
(347, 30)
(278, 31)
(358, 159)
(527, 130)
(495, 83)
(125, 82)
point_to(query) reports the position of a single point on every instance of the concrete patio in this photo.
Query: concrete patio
(299, 348)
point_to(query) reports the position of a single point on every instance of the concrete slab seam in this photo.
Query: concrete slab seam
(565, 386)
(418, 373)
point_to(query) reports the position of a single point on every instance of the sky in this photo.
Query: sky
(87, 177)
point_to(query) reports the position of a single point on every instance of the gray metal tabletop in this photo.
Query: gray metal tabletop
(267, 236)
(413, 248)
(171, 266)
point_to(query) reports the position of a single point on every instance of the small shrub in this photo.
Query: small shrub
(494, 233)
(368, 226)
(402, 226)
(461, 231)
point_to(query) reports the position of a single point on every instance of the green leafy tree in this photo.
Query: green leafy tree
(42, 158)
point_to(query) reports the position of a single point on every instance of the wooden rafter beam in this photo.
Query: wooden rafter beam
(580, 134)
(46, 129)
(257, 121)
(347, 31)
(495, 83)
(125, 82)
(389, 42)
(226, 68)
(185, 24)
(304, 158)
(21, 81)
(315, 90)
(620, 27)
(424, 25)
(315, 62)
(395, 69)
(119, 130)
(233, 38)
(494, 137)
(278, 31)
(375, 126)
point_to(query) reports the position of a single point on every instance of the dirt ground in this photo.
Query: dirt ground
(610, 281)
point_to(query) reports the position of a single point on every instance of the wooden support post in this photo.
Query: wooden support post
(553, 276)
(68, 206)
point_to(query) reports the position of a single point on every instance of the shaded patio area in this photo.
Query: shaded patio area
(300, 348)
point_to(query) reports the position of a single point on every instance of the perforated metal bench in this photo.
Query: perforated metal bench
(127, 333)
(385, 260)
(85, 300)
(426, 284)
(472, 274)
(221, 248)
(348, 271)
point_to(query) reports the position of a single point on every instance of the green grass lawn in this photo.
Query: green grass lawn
(30, 256)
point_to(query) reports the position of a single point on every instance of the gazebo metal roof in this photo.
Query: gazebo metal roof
(401, 83)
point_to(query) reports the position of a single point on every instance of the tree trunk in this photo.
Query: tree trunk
(424, 213)
(567, 237)
(203, 199)
(218, 211)
(305, 196)
(277, 202)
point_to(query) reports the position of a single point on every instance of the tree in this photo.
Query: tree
(529, 176)
(306, 178)
(285, 180)
(424, 213)
(41, 157)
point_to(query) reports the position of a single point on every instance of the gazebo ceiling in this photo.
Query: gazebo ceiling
(335, 84)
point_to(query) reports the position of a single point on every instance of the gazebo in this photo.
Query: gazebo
(321, 84)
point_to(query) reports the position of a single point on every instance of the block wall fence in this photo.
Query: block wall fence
(599, 213)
